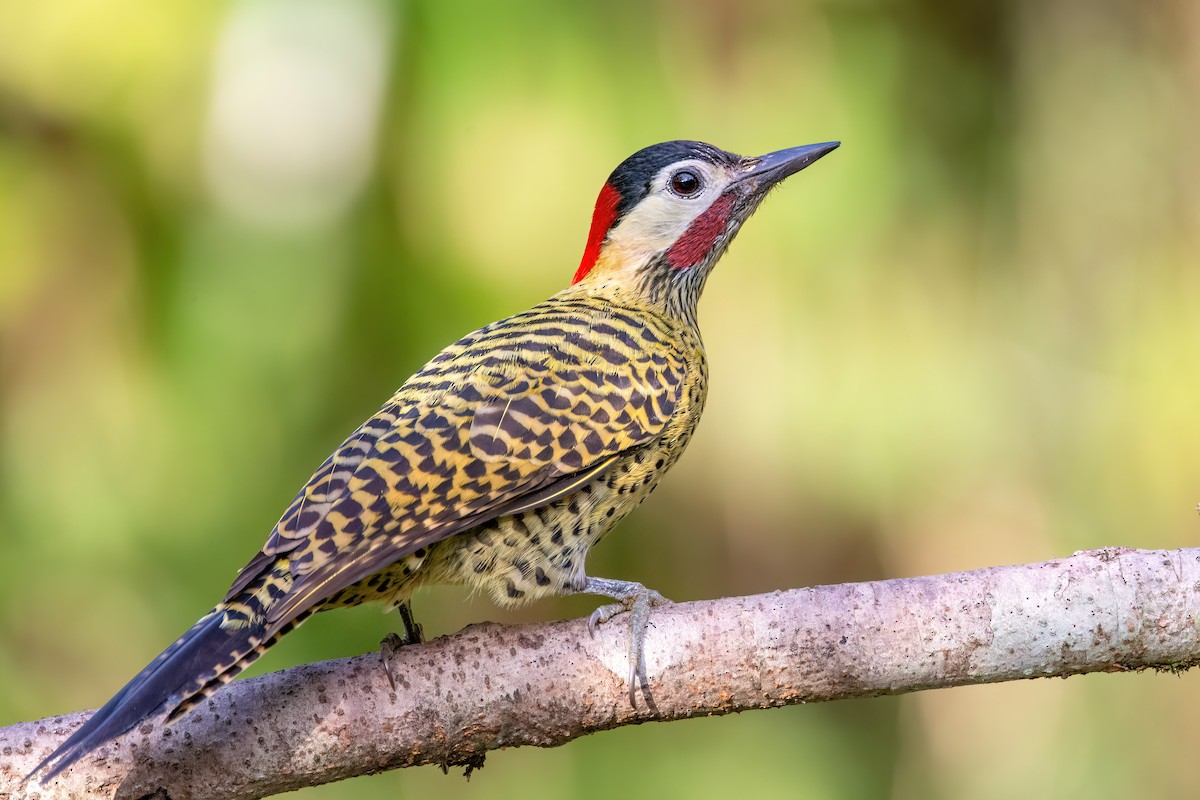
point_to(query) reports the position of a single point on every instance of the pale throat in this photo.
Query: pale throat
(684, 232)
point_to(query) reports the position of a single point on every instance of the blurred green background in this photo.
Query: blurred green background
(228, 230)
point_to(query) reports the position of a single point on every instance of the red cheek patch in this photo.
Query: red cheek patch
(702, 234)
(602, 220)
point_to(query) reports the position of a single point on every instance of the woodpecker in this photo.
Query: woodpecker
(508, 455)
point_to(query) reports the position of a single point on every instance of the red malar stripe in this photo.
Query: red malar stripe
(602, 219)
(700, 236)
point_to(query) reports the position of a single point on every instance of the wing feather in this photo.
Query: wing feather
(471, 437)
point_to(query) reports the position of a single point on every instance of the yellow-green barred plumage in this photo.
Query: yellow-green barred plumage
(504, 459)
(497, 466)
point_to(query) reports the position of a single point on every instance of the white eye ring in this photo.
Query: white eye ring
(685, 183)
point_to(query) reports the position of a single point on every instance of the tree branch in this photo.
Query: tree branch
(492, 686)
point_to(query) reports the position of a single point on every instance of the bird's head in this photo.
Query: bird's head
(668, 212)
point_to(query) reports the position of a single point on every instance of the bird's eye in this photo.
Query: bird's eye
(686, 183)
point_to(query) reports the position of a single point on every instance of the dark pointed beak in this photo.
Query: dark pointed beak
(764, 172)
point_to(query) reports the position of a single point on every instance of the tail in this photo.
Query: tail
(201, 661)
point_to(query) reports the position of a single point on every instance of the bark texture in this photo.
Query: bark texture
(492, 686)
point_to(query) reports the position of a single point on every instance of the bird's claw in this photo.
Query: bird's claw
(387, 646)
(413, 634)
(603, 614)
(637, 600)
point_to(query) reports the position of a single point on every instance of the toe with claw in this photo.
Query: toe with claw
(413, 634)
(637, 600)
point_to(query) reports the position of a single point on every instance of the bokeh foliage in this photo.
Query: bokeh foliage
(969, 337)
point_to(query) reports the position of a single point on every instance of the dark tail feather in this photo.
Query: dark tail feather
(196, 665)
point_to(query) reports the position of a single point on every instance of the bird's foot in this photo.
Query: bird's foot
(637, 600)
(413, 634)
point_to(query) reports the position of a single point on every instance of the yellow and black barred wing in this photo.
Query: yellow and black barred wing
(505, 420)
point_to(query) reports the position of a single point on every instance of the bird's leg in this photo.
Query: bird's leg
(637, 600)
(413, 634)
